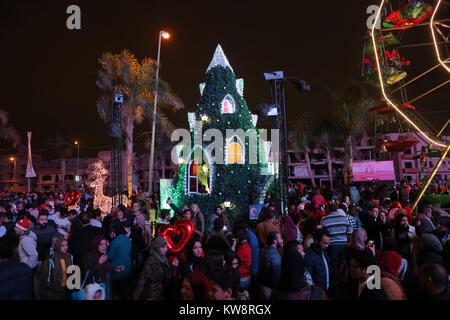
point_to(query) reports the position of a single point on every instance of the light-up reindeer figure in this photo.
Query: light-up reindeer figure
(99, 174)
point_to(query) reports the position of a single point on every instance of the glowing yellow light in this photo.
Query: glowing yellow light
(434, 37)
(12, 158)
(205, 118)
(165, 34)
(382, 84)
(76, 142)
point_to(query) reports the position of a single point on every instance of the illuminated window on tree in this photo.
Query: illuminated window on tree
(198, 178)
(228, 105)
(234, 153)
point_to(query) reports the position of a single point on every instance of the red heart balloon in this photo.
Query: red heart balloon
(183, 227)
(71, 198)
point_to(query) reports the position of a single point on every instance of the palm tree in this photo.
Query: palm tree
(350, 116)
(324, 138)
(65, 147)
(122, 73)
(7, 132)
(301, 139)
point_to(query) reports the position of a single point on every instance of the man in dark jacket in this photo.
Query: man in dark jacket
(15, 278)
(374, 227)
(317, 262)
(270, 265)
(80, 241)
(44, 232)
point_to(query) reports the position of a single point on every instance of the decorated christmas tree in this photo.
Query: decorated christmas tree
(234, 175)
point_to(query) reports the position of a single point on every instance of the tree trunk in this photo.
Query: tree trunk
(348, 179)
(308, 166)
(129, 144)
(330, 168)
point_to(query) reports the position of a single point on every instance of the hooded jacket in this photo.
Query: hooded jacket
(49, 281)
(155, 279)
(27, 249)
(91, 289)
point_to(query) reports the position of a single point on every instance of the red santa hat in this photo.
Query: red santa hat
(395, 204)
(23, 224)
(390, 261)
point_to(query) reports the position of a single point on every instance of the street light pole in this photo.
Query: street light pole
(14, 172)
(152, 149)
(78, 158)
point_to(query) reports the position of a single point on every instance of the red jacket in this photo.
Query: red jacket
(244, 254)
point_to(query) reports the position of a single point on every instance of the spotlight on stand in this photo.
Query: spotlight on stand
(300, 84)
(275, 75)
(265, 110)
(276, 110)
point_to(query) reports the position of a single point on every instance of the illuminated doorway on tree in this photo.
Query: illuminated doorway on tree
(198, 178)
(234, 153)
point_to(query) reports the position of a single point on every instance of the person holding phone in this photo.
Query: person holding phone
(96, 262)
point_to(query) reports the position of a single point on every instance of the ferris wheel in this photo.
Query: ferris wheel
(384, 67)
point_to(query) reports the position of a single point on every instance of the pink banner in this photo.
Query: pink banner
(368, 171)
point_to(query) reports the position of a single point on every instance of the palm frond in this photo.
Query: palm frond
(104, 104)
(167, 127)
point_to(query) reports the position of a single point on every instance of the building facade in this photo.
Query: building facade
(406, 164)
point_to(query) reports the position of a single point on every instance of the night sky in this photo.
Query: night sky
(49, 72)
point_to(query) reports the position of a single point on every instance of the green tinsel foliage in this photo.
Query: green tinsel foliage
(239, 183)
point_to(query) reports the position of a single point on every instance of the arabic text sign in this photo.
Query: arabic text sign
(368, 171)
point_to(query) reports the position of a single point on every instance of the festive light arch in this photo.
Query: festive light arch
(432, 141)
(380, 77)
(434, 37)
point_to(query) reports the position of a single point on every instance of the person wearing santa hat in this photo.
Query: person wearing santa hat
(27, 248)
(390, 263)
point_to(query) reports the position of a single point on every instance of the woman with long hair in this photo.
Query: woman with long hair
(96, 263)
(404, 235)
(195, 286)
(194, 256)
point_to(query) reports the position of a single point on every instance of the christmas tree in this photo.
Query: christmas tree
(237, 179)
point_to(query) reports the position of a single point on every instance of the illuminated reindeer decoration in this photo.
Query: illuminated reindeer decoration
(99, 174)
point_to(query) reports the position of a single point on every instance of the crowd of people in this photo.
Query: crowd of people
(325, 248)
